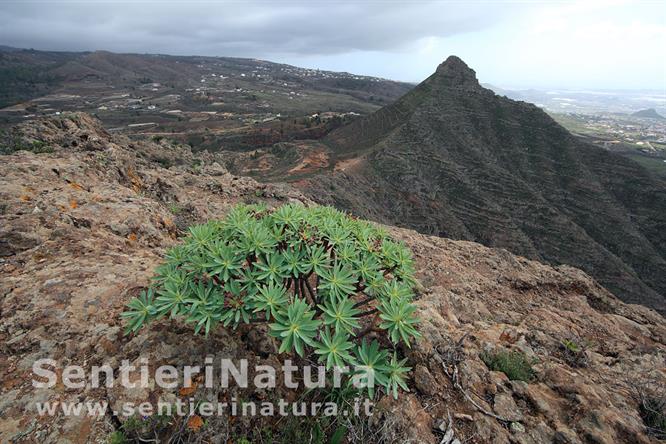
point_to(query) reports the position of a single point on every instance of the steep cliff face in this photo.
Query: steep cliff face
(83, 227)
(452, 159)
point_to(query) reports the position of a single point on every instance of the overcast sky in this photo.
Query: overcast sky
(546, 44)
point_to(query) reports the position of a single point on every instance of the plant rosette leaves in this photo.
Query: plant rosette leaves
(319, 278)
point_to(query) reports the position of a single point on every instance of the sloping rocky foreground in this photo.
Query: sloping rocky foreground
(83, 228)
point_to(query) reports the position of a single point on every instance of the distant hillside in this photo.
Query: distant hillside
(28, 74)
(649, 113)
(451, 158)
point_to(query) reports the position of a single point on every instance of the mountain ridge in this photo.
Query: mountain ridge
(453, 159)
(452, 73)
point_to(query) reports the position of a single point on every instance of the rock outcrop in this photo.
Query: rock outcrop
(82, 229)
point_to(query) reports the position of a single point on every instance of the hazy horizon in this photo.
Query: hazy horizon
(574, 45)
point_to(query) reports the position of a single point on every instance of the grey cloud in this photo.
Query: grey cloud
(251, 29)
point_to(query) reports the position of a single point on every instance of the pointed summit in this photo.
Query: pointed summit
(455, 73)
(453, 62)
(452, 79)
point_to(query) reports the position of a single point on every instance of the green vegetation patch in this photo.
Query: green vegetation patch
(319, 278)
(117, 437)
(514, 364)
(13, 141)
(573, 352)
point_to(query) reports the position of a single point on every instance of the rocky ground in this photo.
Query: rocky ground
(83, 227)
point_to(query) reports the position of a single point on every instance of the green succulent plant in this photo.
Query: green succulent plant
(140, 310)
(334, 348)
(320, 278)
(372, 364)
(341, 314)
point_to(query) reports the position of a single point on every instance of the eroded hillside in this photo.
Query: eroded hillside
(85, 222)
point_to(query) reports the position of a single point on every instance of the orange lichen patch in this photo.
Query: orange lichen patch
(509, 336)
(137, 183)
(73, 204)
(169, 226)
(195, 423)
(188, 391)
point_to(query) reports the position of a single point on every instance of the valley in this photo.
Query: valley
(642, 139)
(207, 102)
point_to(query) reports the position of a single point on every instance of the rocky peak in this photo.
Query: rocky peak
(455, 73)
